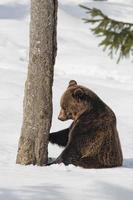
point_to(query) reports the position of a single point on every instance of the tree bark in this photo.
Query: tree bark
(38, 88)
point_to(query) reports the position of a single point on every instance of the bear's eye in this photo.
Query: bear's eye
(64, 109)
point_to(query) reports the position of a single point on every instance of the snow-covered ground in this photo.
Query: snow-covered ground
(78, 58)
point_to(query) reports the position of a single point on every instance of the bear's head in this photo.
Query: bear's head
(76, 100)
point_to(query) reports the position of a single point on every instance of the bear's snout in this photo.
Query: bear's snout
(62, 116)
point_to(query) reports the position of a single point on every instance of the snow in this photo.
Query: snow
(78, 58)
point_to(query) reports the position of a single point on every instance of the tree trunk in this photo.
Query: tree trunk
(38, 89)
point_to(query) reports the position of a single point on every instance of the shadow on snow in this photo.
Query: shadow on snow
(13, 11)
(46, 192)
(128, 163)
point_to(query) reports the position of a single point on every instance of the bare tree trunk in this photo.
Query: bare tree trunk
(38, 89)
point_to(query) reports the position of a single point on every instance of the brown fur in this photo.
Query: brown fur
(92, 140)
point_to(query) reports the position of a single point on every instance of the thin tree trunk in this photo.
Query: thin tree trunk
(38, 89)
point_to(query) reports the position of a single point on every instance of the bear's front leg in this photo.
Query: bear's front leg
(68, 156)
(59, 137)
(56, 161)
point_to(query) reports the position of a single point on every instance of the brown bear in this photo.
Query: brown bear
(92, 140)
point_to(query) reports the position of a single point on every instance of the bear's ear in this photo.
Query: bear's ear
(79, 94)
(72, 83)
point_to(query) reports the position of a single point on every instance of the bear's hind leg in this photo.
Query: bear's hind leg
(89, 162)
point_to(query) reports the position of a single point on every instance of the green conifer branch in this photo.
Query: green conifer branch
(116, 36)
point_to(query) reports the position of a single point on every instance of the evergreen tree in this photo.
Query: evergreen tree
(117, 36)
